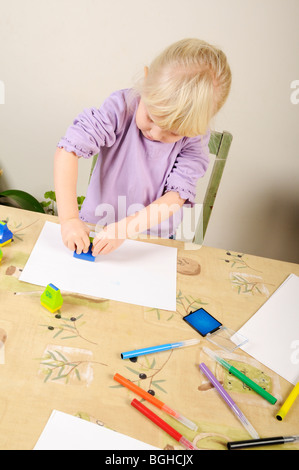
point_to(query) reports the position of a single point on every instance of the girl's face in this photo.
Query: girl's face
(150, 130)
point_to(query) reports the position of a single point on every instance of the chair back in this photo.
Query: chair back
(219, 146)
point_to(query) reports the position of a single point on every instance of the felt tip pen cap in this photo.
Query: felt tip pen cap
(216, 358)
(185, 421)
(247, 425)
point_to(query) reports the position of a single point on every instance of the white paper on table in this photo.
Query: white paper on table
(137, 272)
(273, 331)
(67, 432)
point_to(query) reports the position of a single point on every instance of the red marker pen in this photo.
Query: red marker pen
(163, 425)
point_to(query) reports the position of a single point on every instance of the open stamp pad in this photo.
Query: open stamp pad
(210, 328)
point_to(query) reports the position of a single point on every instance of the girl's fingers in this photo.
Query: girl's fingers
(106, 249)
(80, 244)
(98, 245)
(86, 243)
(70, 244)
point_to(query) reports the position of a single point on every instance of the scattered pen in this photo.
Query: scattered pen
(159, 348)
(227, 398)
(246, 380)
(163, 425)
(262, 442)
(150, 398)
(288, 403)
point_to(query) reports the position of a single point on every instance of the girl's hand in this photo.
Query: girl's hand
(75, 235)
(107, 240)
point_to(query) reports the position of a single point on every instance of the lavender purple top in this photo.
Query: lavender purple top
(131, 171)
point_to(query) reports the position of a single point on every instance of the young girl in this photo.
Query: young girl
(152, 146)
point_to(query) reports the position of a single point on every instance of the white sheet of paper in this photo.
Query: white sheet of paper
(273, 332)
(67, 432)
(137, 272)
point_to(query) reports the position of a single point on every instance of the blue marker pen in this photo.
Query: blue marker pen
(161, 347)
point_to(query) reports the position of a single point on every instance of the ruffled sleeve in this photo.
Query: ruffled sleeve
(95, 128)
(190, 165)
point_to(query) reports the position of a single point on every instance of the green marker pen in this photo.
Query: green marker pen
(246, 380)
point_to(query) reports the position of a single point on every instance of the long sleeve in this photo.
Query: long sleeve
(95, 128)
(190, 165)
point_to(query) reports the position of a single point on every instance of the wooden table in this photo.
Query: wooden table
(67, 362)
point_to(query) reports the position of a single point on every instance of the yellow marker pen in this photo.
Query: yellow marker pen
(288, 403)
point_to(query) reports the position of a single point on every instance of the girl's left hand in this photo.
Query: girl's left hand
(107, 240)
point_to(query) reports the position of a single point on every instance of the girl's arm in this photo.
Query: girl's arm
(112, 236)
(73, 230)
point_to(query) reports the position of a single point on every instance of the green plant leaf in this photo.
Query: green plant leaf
(80, 200)
(50, 195)
(23, 199)
(45, 204)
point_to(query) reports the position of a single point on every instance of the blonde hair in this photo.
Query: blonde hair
(185, 87)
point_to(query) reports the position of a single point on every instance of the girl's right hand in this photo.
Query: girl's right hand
(75, 235)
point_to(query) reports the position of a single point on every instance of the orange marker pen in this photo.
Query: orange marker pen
(151, 399)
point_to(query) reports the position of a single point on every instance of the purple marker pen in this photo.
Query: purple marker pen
(227, 398)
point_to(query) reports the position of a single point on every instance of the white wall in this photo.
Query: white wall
(60, 56)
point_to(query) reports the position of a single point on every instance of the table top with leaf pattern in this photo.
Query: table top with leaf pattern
(66, 360)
